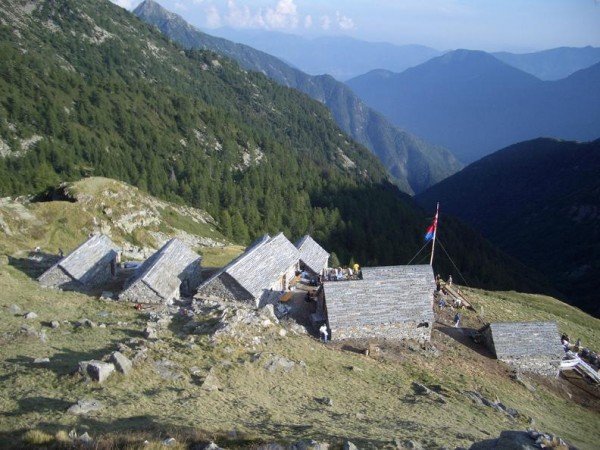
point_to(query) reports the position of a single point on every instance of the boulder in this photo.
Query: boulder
(41, 360)
(407, 444)
(29, 331)
(211, 383)
(14, 309)
(55, 324)
(349, 446)
(106, 295)
(121, 362)
(169, 442)
(167, 370)
(150, 333)
(324, 401)
(85, 323)
(309, 444)
(277, 362)
(271, 446)
(99, 371)
(84, 406)
(30, 315)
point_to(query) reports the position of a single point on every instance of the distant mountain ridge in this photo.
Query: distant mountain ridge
(540, 202)
(552, 64)
(342, 57)
(473, 103)
(413, 164)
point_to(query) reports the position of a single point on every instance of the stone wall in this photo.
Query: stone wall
(226, 288)
(527, 346)
(395, 331)
(140, 292)
(543, 365)
(56, 277)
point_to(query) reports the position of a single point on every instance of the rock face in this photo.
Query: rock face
(99, 371)
(121, 362)
(84, 407)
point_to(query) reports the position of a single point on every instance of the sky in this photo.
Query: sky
(492, 25)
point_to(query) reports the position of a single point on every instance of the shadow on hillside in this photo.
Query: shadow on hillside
(37, 404)
(66, 361)
(34, 264)
(463, 336)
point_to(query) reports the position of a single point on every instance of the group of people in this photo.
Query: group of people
(589, 356)
(340, 274)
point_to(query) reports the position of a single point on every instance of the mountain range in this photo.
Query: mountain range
(472, 103)
(540, 202)
(114, 97)
(412, 163)
(552, 64)
(342, 57)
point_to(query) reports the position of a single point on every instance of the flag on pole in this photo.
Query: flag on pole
(431, 230)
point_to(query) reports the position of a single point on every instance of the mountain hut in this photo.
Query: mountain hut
(171, 272)
(258, 275)
(89, 266)
(529, 346)
(394, 302)
(313, 257)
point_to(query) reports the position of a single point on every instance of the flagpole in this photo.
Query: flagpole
(434, 234)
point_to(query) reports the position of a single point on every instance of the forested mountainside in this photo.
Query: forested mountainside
(474, 104)
(540, 202)
(412, 163)
(552, 64)
(87, 89)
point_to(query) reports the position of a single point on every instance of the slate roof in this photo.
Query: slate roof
(162, 271)
(261, 264)
(381, 300)
(84, 258)
(409, 274)
(312, 254)
(519, 339)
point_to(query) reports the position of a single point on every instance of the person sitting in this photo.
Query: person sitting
(458, 303)
(442, 303)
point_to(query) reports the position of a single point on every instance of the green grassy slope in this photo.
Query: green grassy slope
(373, 401)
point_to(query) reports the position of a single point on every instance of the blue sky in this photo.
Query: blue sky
(514, 25)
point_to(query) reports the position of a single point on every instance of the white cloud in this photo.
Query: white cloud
(344, 22)
(213, 17)
(181, 6)
(127, 4)
(284, 15)
(325, 22)
(308, 21)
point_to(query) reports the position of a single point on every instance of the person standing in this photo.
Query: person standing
(323, 333)
(457, 320)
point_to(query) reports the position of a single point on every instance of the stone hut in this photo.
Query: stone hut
(313, 257)
(529, 346)
(172, 271)
(88, 267)
(393, 302)
(258, 275)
